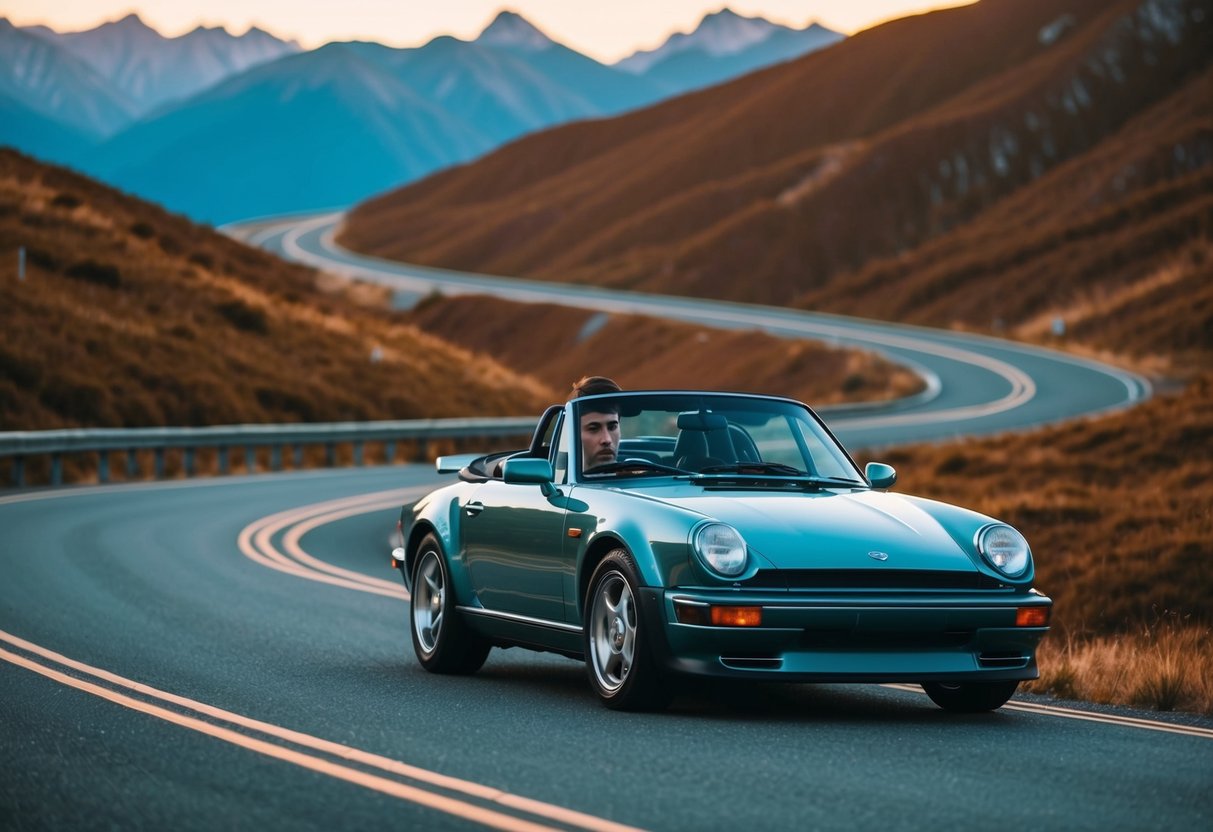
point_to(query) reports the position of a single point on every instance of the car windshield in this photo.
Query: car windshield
(706, 435)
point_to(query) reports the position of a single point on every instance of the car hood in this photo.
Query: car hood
(836, 530)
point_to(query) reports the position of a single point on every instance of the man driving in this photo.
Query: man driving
(599, 422)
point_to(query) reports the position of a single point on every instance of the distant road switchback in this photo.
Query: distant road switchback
(975, 385)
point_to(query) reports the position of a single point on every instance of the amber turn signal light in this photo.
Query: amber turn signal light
(1032, 617)
(737, 616)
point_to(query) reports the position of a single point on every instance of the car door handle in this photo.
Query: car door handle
(474, 508)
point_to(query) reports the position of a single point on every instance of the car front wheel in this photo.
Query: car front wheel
(442, 641)
(970, 697)
(617, 654)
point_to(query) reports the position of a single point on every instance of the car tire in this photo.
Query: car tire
(441, 638)
(970, 697)
(617, 653)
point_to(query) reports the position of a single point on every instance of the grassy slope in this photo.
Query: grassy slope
(129, 317)
(562, 344)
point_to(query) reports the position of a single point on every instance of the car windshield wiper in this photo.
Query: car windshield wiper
(760, 469)
(634, 465)
(754, 468)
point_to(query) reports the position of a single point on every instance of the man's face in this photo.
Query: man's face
(599, 438)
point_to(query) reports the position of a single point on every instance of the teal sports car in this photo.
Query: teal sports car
(663, 534)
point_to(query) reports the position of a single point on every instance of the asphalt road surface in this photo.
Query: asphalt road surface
(234, 654)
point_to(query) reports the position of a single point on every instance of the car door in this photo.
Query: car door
(513, 539)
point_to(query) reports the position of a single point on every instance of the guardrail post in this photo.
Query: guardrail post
(19, 471)
(423, 450)
(56, 469)
(276, 457)
(389, 451)
(159, 470)
(225, 461)
(188, 462)
(132, 464)
(250, 459)
(103, 466)
(358, 454)
(298, 456)
(330, 454)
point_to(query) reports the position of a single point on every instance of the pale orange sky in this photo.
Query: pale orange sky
(605, 29)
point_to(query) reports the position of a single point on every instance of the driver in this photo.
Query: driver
(599, 422)
(599, 434)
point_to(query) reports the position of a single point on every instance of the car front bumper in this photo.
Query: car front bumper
(851, 637)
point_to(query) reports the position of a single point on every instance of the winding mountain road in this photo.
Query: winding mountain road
(234, 653)
(975, 385)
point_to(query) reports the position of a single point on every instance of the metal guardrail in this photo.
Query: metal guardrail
(19, 445)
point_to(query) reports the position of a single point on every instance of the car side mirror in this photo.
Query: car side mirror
(880, 475)
(530, 470)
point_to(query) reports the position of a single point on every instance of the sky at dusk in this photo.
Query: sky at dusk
(604, 29)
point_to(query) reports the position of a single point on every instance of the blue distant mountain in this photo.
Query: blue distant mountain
(54, 85)
(320, 129)
(235, 127)
(22, 126)
(336, 125)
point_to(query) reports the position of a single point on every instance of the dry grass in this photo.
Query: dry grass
(131, 317)
(560, 344)
(1168, 667)
(1118, 510)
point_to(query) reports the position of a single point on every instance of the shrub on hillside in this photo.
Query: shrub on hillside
(66, 200)
(143, 230)
(244, 317)
(22, 370)
(42, 259)
(77, 401)
(101, 274)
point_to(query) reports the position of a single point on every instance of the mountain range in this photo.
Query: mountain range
(150, 69)
(221, 127)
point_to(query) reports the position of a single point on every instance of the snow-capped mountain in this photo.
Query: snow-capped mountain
(721, 33)
(723, 46)
(151, 69)
(512, 31)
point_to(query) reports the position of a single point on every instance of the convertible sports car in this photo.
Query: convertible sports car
(714, 534)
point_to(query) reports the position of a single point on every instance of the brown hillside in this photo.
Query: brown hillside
(129, 316)
(562, 344)
(1118, 244)
(767, 187)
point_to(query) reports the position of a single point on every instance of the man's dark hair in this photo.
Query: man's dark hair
(594, 386)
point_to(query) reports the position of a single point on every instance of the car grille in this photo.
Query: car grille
(861, 579)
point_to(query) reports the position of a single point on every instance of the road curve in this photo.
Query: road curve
(233, 653)
(975, 385)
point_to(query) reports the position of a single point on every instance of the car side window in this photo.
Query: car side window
(558, 455)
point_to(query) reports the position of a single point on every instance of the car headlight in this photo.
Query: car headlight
(721, 549)
(1004, 548)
